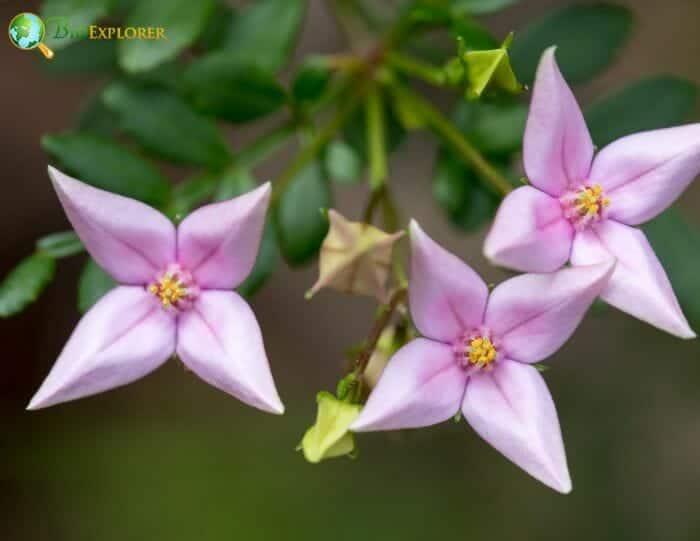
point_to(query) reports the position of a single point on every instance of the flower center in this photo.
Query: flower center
(175, 288)
(476, 349)
(584, 206)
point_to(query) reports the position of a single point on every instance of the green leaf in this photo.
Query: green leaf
(301, 227)
(95, 118)
(587, 38)
(311, 80)
(234, 182)
(63, 17)
(218, 29)
(25, 283)
(264, 33)
(494, 128)
(342, 163)
(182, 20)
(58, 245)
(92, 285)
(657, 102)
(467, 203)
(165, 125)
(84, 56)
(191, 193)
(107, 165)
(480, 7)
(676, 242)
(474, 35)
(221, 85)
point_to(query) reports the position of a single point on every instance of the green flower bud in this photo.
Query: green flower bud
(329, 436)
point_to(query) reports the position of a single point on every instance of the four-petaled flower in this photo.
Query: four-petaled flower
(583, 209)
(175, 296)
(477, 352)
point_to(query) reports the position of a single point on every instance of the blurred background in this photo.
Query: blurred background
(171, 458)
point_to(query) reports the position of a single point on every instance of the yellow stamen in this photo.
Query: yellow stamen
(481, 351)
(590, 200)
(169, 290)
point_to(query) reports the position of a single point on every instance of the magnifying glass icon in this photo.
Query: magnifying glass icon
(27, 32)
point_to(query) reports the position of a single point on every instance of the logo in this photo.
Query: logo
(27, 32)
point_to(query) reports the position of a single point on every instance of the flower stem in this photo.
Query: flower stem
(417, 68)
(383, 320)
(465, 150)
(376, 139)
(322, 138)
(261, 148)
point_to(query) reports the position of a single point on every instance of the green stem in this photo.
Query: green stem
(376, 140)
(465, 150)
(320, 140)
(417, 68)
(376, 332)
(268, 143)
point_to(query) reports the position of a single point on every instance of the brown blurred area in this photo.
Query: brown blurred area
(628, 396)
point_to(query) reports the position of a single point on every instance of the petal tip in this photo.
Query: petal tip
(414, 228)
(41, 400)
(360, 425)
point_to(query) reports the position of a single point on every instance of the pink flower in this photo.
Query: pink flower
(175, 296)
(583, 209)
(477, 354)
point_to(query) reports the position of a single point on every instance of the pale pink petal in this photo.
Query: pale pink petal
(218, 243)
(446, 295)
(219, 339)
(639, 285)
(644, 173)
(122, 338)
(529, 233)
(511, 408)
(532, 315)
(127, 238)
(557, 148)
(422, 385)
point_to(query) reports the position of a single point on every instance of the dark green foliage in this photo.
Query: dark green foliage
(657, 102)
(301, 226)
(587, 38)
(165, 125)
(25, 283)
(108, 165)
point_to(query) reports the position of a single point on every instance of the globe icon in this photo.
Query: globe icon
(26, 30)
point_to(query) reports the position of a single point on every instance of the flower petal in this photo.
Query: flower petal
(422, 385)
(534, 314)
(218, 243)
(219, 339)
(645, 172)
(127, 238)
(122, 338)
(557, 148)
(511, 408)
(639, 285)
(446, 295)
(529, 233)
